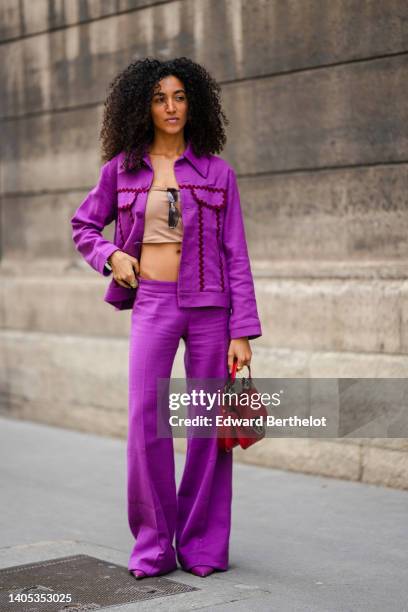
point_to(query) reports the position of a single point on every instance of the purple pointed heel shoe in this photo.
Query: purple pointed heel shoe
(138, 574)
(201, 570)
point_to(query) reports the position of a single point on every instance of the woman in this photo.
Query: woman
(179, 260)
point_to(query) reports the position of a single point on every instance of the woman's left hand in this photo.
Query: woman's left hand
(241, 349)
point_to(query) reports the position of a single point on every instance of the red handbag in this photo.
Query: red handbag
(232, 434)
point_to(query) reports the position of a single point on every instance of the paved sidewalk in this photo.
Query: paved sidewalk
(298, 543)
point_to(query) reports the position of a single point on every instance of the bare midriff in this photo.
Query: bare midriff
(161, 260)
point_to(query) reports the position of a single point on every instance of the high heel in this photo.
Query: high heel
(201, 570)
(138, 574)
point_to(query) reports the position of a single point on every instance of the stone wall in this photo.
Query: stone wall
(316, 96)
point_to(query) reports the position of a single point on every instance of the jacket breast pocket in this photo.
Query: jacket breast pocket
(210, 202)
(126, 213)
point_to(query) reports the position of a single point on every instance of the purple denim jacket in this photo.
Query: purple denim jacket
(214, 266)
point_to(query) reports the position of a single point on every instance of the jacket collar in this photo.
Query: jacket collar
(199, 163)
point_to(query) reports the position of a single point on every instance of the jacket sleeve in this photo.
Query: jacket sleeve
(96, 211)
(244, 319)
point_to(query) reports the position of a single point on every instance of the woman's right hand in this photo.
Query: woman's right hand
(124, 269)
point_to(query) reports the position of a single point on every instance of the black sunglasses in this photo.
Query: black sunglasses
(174, 214)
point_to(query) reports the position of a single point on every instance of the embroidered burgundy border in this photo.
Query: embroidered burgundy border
(201, 248)
(131, 189)
(219, 249)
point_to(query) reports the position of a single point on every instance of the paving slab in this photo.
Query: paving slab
(298, 542)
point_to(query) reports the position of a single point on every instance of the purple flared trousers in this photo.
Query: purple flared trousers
(199, 513)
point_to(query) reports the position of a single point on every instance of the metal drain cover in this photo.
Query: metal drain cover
(91, 583)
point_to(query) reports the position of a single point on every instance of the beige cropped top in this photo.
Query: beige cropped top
(156, 227)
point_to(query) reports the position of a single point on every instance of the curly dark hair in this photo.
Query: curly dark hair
(127, 123)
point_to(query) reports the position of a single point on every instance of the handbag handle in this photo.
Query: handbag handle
(234, 370)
